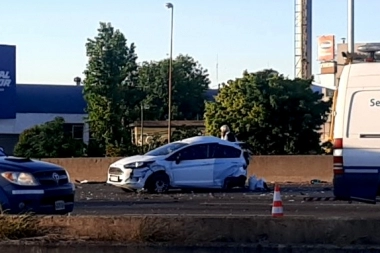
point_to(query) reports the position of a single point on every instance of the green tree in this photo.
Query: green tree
(189, 84)
(273, 114)
(111, 88)
(48, 140)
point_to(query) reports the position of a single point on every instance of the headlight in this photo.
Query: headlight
(20, 178)
(137, 165)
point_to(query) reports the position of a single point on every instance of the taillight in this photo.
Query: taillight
(338, 156)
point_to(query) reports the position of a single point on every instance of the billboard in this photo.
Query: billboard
(8, 104)
(326, 48)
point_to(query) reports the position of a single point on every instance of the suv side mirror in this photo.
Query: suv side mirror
(1, 149)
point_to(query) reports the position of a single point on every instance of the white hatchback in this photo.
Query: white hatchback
(198, 162)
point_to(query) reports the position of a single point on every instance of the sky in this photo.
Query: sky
(235, 35)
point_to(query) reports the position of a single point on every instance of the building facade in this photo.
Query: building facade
(38, 104)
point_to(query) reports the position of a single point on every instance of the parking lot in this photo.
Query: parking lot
(102, 199)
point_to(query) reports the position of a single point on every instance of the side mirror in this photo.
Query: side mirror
(1, 149)
(178, 159)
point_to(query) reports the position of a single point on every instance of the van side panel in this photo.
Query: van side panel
(359, 127)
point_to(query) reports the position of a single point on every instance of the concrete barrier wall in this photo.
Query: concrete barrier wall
(292, 168)
(272, 168)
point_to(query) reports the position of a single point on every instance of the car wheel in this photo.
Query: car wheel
(242, 181)
(158, 183)
(227, 184)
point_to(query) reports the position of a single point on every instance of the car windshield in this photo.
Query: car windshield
(166, 149)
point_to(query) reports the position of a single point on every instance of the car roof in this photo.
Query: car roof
(207, 139)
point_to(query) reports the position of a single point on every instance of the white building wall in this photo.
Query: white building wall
(24, 121)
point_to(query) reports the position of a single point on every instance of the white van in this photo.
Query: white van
(357, 132)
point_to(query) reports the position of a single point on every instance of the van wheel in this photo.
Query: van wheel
(158, 183)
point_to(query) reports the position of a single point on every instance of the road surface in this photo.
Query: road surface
(102, 199)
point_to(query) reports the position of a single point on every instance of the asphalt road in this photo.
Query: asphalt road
(102, 199)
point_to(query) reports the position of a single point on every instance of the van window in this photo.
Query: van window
(364, 114)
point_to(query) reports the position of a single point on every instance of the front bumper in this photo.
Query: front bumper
(39, 200)
(133, 179)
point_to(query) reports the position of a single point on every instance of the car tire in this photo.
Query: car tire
(158, 183)
(231, 182)
(242, 180)
(227, 184)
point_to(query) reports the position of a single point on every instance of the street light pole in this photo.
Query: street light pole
(351, 27)
(170, 6)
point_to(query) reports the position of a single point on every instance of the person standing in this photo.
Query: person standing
(226, 134)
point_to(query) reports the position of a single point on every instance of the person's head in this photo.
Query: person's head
(224, 129)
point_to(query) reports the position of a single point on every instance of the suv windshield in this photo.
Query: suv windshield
(166, 149)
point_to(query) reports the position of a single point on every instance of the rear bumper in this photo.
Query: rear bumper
(356, 185)
(57, 200)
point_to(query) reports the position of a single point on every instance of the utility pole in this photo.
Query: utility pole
(170, 6)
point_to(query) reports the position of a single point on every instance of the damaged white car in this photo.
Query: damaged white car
(198, 162)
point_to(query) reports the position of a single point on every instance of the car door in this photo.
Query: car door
(195, 167)
(226, 162)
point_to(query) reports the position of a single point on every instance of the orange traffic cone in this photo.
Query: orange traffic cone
(277, 209)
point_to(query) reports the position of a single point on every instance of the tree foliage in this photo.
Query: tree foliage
(189, 84)
(48, 140)
(110, 87)
(274, 114)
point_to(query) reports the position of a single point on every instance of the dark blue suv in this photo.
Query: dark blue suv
(34, 186)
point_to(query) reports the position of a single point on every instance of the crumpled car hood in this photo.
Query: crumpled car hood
(136, 158)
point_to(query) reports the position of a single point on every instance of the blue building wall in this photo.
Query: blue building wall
(59, 99)
(317, 89)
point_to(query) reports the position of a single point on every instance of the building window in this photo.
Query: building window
(75, 130)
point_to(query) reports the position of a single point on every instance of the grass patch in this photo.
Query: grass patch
(13, 227)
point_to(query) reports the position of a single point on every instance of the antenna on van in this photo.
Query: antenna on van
(371, 49)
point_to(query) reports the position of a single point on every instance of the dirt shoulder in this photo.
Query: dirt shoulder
(196, 230)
